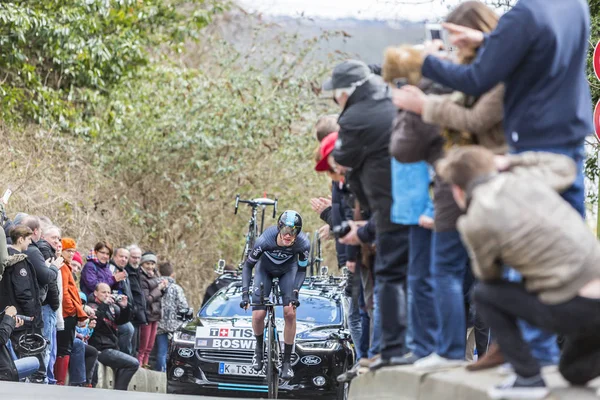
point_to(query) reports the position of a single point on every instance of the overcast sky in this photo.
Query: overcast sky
(365, 9)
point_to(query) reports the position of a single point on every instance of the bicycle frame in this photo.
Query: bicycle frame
(271, 338)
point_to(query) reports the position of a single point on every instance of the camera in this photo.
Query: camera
(116, 296)
(434, 32)
(341, 230)
(24, 318)
(187, 314)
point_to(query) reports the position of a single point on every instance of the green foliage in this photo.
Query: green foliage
(50, 50)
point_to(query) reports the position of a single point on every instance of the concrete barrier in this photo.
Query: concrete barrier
(405, 383)
(144, 380)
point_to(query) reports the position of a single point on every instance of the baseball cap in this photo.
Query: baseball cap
(327, 146)
(347, 74)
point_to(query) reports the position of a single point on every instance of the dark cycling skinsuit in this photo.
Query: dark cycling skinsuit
(278, 262)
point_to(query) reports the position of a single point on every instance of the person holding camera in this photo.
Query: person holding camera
(118, 265)
(173, 303)
(153, 287)
(366, 123)
(111, 311)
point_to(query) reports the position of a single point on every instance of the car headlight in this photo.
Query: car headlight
(184, 338)
(325, 345)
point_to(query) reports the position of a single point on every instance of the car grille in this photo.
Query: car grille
(233, 356)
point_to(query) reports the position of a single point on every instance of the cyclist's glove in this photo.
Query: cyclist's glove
(245, 300)
(295, 302)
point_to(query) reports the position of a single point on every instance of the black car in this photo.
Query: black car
(213, 354)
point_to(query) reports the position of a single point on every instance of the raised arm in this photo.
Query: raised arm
(502, 53)
(478, 120)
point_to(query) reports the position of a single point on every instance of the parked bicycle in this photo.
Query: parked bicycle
(253, 229)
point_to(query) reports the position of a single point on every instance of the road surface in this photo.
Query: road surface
(30, 391)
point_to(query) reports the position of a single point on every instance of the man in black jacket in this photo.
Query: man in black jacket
(109, 316)
(43, 258)
(19, 287)
(138, 300)
(366, 124)
(126, 330)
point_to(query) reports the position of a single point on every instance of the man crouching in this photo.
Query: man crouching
(515, 216)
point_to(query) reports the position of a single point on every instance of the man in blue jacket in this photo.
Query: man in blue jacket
(539, 50)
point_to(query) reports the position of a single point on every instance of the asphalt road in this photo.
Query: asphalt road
(29, 391)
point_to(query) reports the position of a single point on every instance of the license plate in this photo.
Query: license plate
(238, 369)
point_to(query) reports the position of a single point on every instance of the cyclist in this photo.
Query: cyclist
(277, 249)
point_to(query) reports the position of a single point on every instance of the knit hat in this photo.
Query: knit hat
(149, 257)
(77, 257)
(68, 243)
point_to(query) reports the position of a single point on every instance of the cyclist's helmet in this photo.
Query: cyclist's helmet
(289, 222)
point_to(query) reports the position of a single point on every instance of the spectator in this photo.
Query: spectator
(539, 50)
(19, 288)
(46, 273)
(76, 265)
(153, 288)
(97, 269)
(84, 358)
(560, 262)
(18, 369)
(72, 312)
(108, 316)
(173, 301)
(139, 300)
(325, 125)
(49, 241)
(118, 265)
(365, 126)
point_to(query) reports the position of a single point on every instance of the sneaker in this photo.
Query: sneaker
(257, 362)
(406, 359)
(505, 369)
(434, 362)
(366, 362)
(286, 371)
(517, 387)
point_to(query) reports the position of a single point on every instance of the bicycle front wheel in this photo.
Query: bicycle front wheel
(272, 360)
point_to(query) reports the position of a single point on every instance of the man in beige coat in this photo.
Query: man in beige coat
(518, 218)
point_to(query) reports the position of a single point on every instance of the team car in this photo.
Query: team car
(212, 354)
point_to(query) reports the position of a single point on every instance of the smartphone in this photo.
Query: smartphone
(434, 32)
(6, 196)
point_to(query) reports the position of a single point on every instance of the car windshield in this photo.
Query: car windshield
(314, 309)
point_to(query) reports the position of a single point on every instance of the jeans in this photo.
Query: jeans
(27, 366)
(49, 333)
(422, 321)
(375, 325)
(391, 264)
(502, 303)
(450, 263)
(126, 332)
(123, 365)
(354, 323)
(77, 363)
(365, 324)
(162, 348)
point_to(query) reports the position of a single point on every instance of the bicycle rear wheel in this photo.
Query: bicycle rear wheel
(272, 359)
